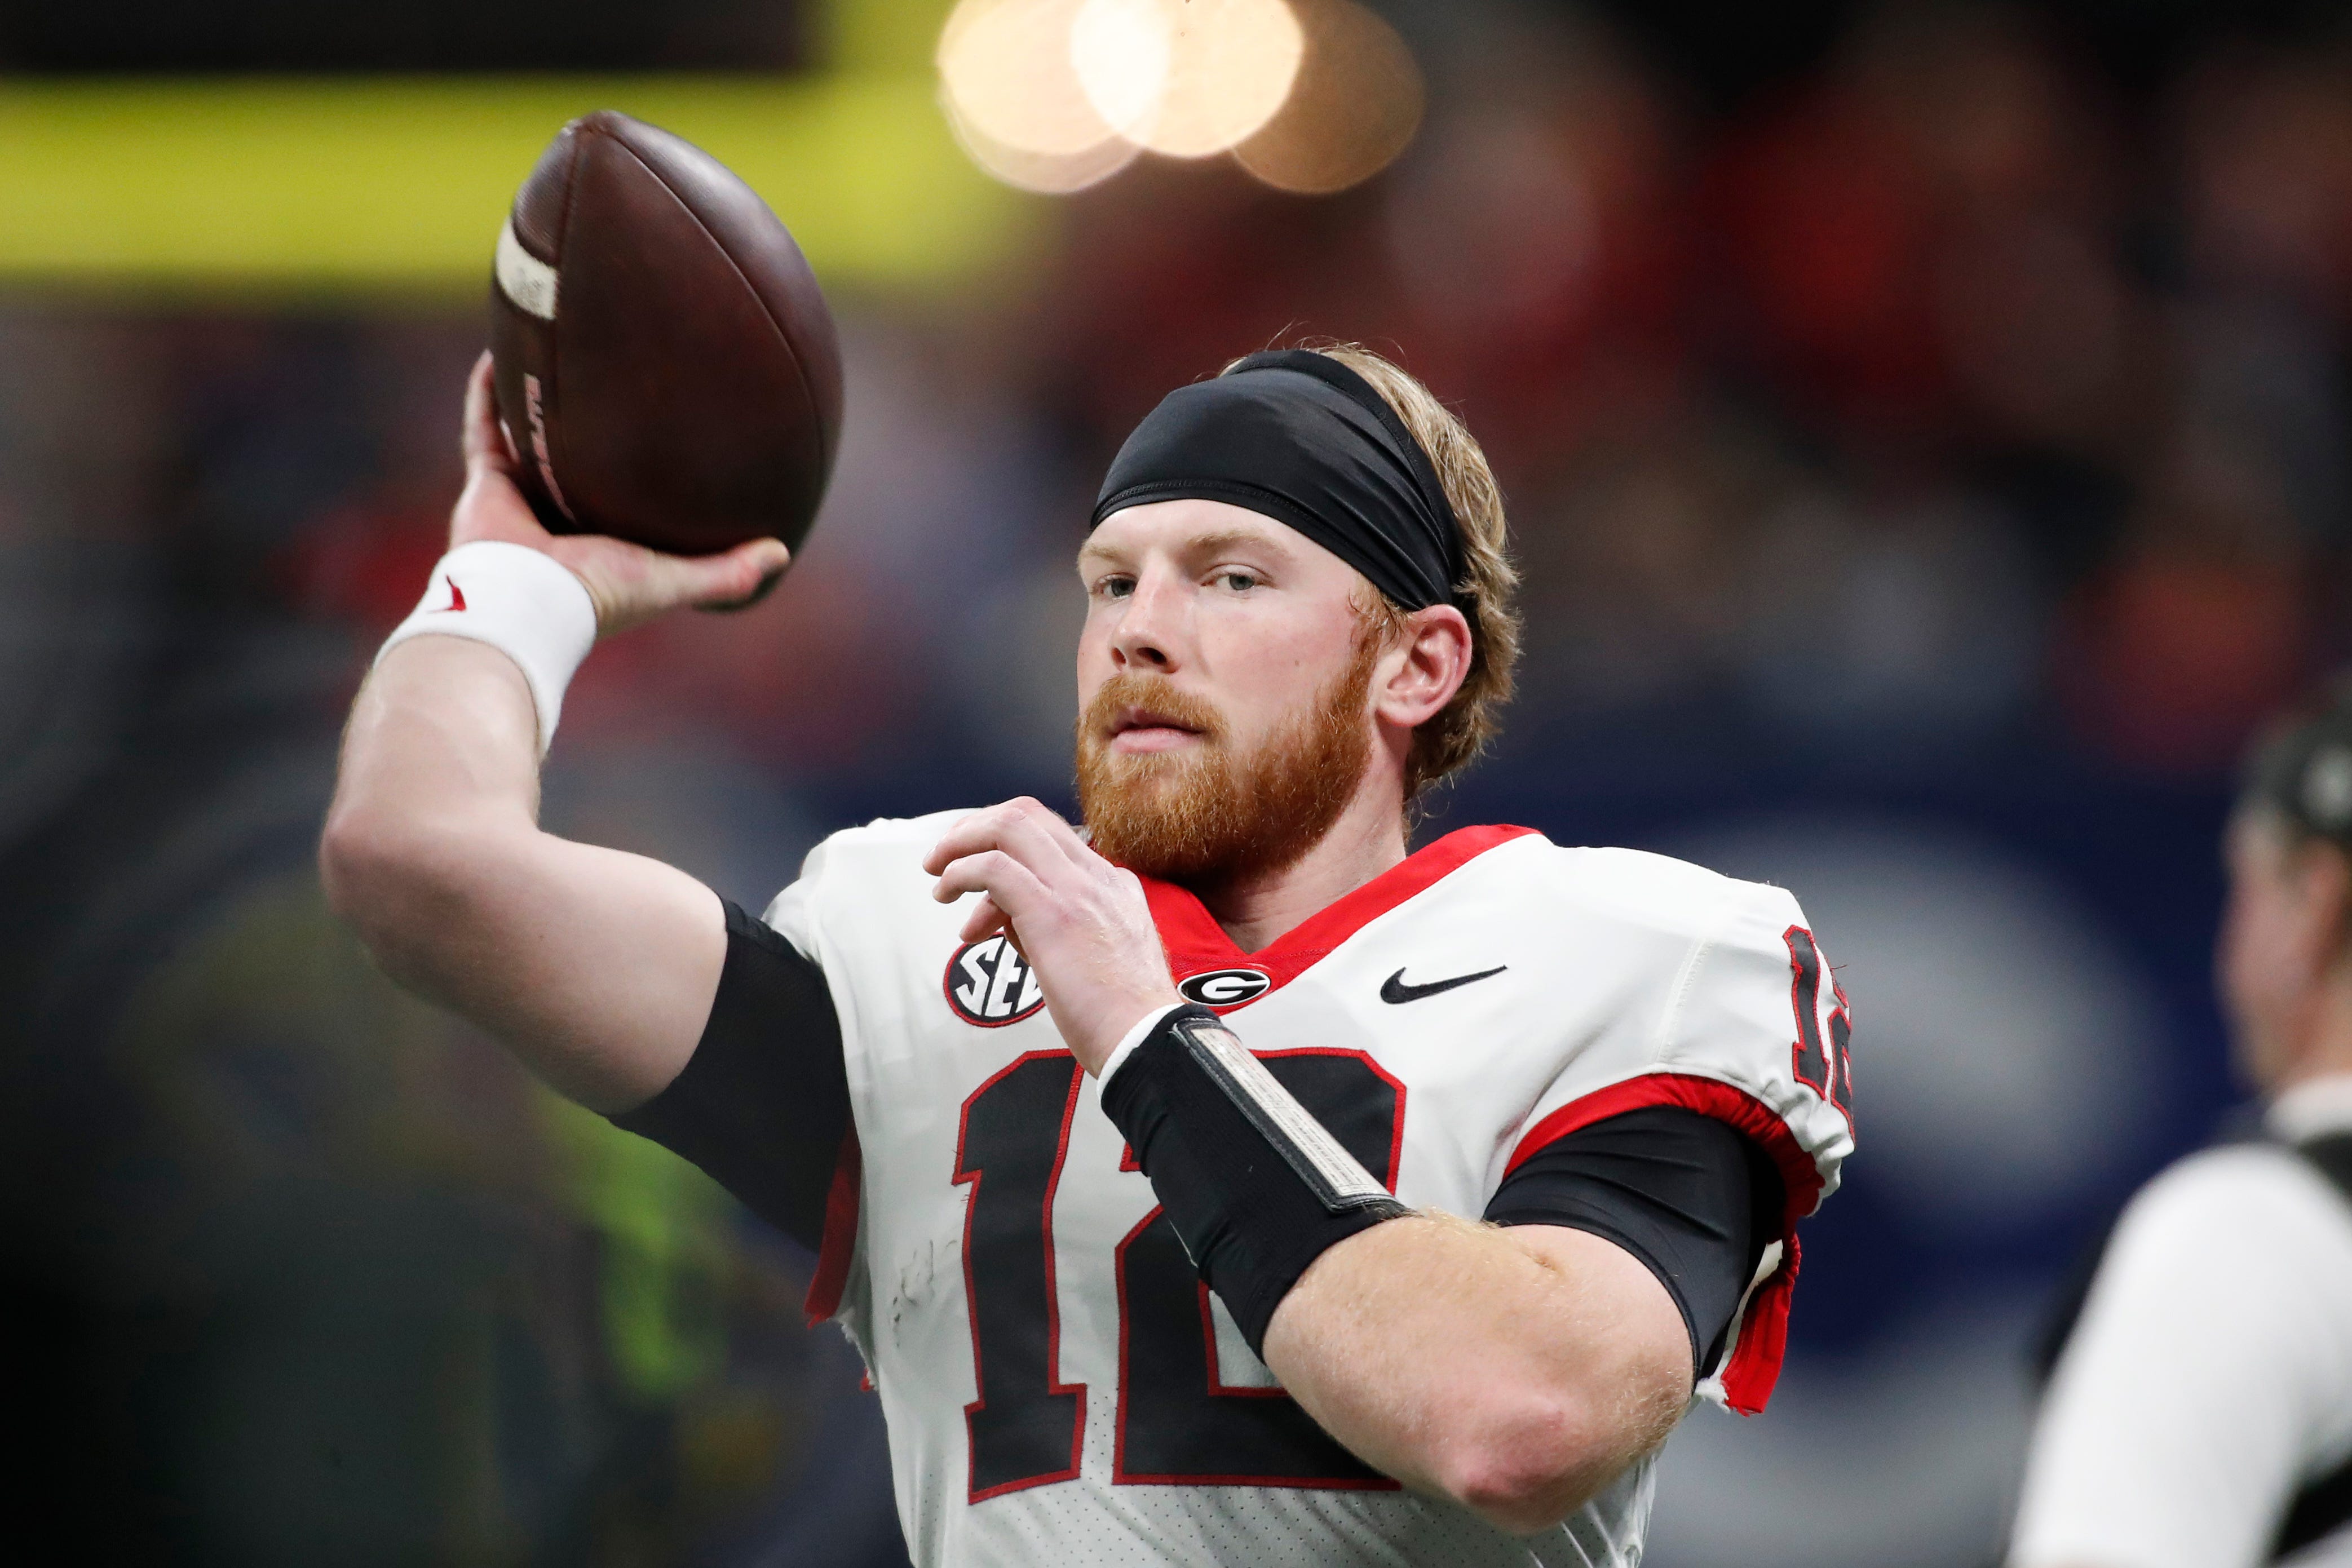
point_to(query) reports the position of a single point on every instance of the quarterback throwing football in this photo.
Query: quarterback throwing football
(1219, 1183)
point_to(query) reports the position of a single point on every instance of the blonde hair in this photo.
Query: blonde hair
(1460, 730)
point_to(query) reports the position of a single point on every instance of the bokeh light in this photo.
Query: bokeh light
(1310, 96)
(1187, 77)
(1355, 104)
(1123, 52)
(1030, 168)
(1013, 99)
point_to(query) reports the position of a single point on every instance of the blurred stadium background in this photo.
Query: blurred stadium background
(1925, 432)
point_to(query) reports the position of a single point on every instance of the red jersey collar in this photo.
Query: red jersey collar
(1196, 943)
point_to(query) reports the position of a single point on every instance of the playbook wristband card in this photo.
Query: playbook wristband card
(523, 603)
(1255, 1187)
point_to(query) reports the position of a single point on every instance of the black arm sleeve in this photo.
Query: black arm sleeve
(763, 1103)
(1693, 1199)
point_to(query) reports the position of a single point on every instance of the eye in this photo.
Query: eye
(1115, 587)
(1239, 582)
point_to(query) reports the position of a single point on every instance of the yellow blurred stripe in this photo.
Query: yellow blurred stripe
(401, 183)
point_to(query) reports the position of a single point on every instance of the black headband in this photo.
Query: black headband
(2303, 770)
(1300, 437)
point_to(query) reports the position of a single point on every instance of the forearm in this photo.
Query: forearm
(1469, 1364)
(597, 967)
(1512, 1371)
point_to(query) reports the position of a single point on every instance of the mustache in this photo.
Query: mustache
(1155, 694)
(1216, 809)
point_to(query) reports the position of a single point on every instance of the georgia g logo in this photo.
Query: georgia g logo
(988, 983)
(1226, 988)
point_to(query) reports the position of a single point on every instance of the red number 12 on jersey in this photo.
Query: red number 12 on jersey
(1178, 1423)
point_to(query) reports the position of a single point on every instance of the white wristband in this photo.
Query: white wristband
(526, 605)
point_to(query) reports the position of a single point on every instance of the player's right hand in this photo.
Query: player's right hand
(627, 582)
(1082, 923)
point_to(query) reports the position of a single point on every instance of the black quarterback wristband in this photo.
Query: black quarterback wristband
(1254, 1187)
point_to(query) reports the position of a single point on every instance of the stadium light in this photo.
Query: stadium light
(1010, 90)
(1053, 95)
(1187, 77)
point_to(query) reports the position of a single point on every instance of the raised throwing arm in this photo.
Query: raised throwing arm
(596, 967)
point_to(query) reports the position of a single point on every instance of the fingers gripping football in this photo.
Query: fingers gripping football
(1082, 923)
(628, 582)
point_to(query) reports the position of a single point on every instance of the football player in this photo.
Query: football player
(1218, 1182)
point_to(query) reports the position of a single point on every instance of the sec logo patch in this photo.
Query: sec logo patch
(988, 983)
(1225, 987)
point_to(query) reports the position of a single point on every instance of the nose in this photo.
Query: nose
(1150, 624)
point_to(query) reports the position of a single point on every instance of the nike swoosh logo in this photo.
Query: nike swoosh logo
(1394, 989)
(457, 595)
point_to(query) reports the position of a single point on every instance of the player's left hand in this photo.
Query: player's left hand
(1082, 923)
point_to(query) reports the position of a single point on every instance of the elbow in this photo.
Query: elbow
(395, 883)
(363, 859)
(351, 852)
(1528, 1459)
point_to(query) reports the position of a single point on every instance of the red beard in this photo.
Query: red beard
(1207, 814)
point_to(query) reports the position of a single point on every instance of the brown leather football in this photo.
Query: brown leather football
(666, 368)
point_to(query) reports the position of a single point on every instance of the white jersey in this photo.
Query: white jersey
(2209, 1376)
(1059, 1386)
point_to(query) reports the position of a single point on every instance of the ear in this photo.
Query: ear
(2324, 888)
(1422, 669)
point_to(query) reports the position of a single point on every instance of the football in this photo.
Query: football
(667, 369)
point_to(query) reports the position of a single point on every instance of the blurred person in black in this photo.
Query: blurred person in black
(2199, 1413)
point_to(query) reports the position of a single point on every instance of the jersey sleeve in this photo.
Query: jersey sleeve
(763, 1103)
(1752, 1030)
(1691, 1199)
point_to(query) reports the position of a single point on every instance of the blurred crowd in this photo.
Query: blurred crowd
(1946, 395)
(1933, 395)
(1947, 411)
